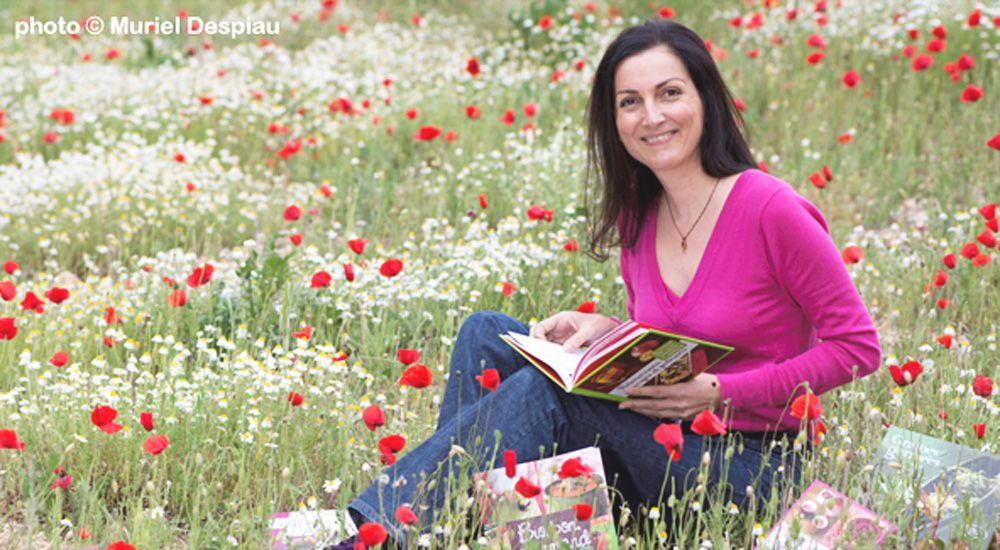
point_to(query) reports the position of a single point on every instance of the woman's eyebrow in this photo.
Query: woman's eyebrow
(660, 85)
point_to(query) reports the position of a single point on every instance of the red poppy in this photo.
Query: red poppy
(969, 251)
(348, 272)
(120, 545)
(146, 420)
(817, 179)
(507, 288)
(405, 515)
(529, 109)
(973, 20)
(545, 22)
(979, 430)
(292, 213)
(155, 444)
(827, 175)
(939, 32)
(936, 45)
(807, 406)
(971, 94)
(303, 333)
(357, 245)
(965, 62)
(510, 463)
(943, 303)
(416, 376)
(472, 111)
(407, 356)
(922, 62)
(426, 133)
(177, 298)
(508, 117)
(320, 279)
(371, 534)
(586, 307)
(571, 246)
(907, 374)
(391, 267)
(7, 328)
(706, 423)
(982, 386)
(980, 260)
(526, 488)
(200, 275)
(450, 136)
(987, 238)
(411, 114)
(537, 213)
(583, 511)
(7, 291)
(574, 467)
(851, 254)
(56, 295)
(103, 417)
(391, 444)
(59, 359)
(949, 261)
(32, 303)
(50, 137)
(296, 239)
(945, 340)
(814, 58)
(295, 398)
(63, 480)
(373, 417)
(8, 440)
(940, 279)
(988, 211)
(291, 147)
(815, 41)
(670, 436)
(994, 142)
(664, 13)
(472, 66)
(489, 379)
(10, 267)
(482, 201)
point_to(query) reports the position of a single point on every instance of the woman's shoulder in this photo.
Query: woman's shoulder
(763, 187)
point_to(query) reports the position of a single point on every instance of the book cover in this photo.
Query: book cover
(824, 518)
(959, 487)
(548, 519)
(633, 354)
(308, 529)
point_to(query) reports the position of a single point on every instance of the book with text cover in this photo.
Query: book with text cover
(958, 497)
(548, 520)
(824, 518)
(632, 354)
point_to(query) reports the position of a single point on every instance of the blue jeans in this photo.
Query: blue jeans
(536, 419)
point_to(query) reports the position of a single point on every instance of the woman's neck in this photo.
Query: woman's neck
(687, 190)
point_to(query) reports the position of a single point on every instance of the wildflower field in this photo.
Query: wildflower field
(217, 250)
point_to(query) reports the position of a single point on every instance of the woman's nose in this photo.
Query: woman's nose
(652, 115)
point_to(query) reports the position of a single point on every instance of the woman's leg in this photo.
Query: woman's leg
(477, 347)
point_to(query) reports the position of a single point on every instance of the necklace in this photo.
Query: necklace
(673, 219)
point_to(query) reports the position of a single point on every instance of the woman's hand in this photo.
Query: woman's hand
(683, 400)
(572, 329)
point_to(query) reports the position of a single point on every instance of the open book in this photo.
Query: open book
(632, 354)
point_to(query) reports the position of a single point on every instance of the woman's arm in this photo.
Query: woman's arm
(809, 269)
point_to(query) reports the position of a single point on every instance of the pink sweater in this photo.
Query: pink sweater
(772, 285)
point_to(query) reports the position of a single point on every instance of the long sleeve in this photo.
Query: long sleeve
(807, 266)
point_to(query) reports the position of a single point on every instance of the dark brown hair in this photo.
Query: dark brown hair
(620, 189)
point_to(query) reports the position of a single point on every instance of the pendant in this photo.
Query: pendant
(684, 245)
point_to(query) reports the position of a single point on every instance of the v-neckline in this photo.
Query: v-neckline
(667, 298)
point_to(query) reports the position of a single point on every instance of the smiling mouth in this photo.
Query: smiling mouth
(659, 138)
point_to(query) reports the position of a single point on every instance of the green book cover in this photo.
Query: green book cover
(959, 487)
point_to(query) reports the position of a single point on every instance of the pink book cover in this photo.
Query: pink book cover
(824, 518)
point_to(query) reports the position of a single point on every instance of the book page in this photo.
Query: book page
(562, 362)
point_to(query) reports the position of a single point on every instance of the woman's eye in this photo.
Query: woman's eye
(670, 92)
(628, 101)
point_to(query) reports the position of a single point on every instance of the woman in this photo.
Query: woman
(710, 248)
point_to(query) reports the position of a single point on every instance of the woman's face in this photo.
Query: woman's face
(658, 111)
